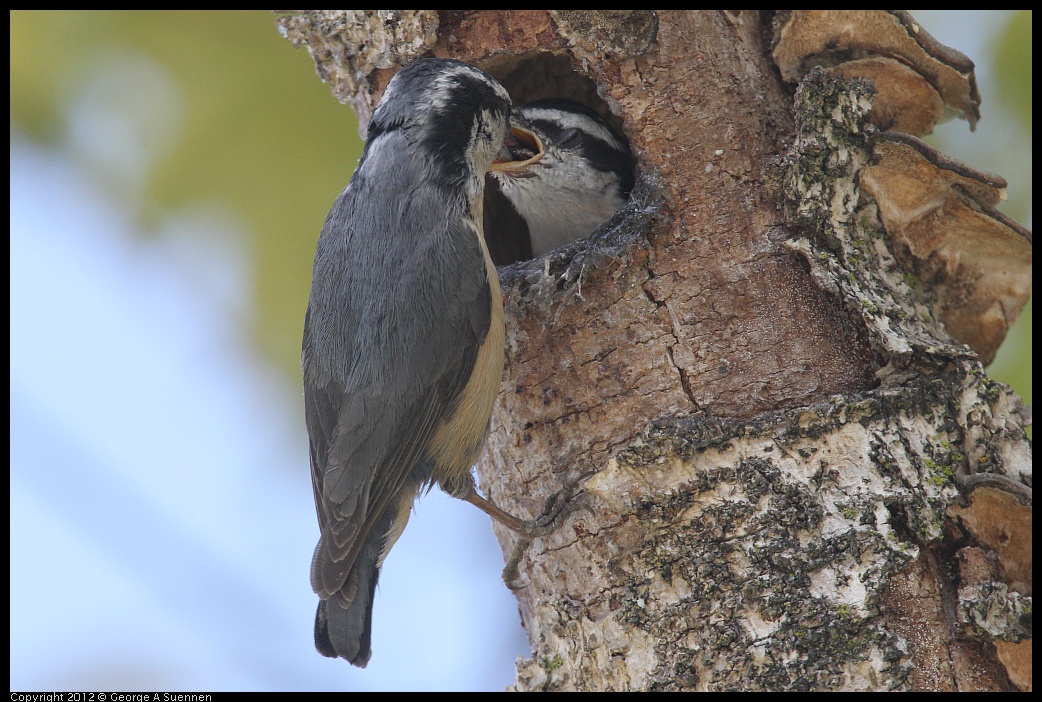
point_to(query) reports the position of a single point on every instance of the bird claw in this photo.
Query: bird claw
(555, 509)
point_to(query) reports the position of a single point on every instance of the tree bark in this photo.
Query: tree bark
(788, 474)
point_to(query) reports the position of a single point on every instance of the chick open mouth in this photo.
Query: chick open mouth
(521, 148)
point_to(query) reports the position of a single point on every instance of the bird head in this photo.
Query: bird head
(453, 114)
(564, 169)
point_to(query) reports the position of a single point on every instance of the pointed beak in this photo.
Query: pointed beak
(521, 148)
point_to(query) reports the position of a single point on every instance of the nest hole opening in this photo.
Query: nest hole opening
(529, 77)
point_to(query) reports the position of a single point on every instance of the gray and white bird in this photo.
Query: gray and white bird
(403, 337)
(578, 173)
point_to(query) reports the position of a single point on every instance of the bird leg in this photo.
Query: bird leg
(542, 525)
(486, 506)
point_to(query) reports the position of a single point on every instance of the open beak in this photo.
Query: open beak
(521, 148)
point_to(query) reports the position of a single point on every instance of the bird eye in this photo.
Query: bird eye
(569, 137)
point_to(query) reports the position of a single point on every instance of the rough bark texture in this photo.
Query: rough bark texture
(778, 435)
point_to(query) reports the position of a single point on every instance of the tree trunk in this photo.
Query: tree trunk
(791, 471)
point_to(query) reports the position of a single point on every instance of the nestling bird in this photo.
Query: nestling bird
(403, 338)
(583, 176)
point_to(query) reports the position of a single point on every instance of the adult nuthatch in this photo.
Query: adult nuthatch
(403, 338)
(583, 176)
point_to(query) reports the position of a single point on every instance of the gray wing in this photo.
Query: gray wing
(391, 334)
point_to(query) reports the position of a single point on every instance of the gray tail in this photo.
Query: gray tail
(344, 632)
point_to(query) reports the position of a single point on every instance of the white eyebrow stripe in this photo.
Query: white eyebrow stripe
(572, 120)
(477, 74)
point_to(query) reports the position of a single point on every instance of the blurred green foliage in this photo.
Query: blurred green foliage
(1013, 59)
(259, 132)
(1012, 53)
(263, 135)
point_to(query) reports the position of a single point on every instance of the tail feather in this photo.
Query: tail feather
(345, 632)
(343, 622)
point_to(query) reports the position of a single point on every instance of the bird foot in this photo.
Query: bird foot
(555, 509)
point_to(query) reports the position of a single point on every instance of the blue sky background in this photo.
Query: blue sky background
(162, 520)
